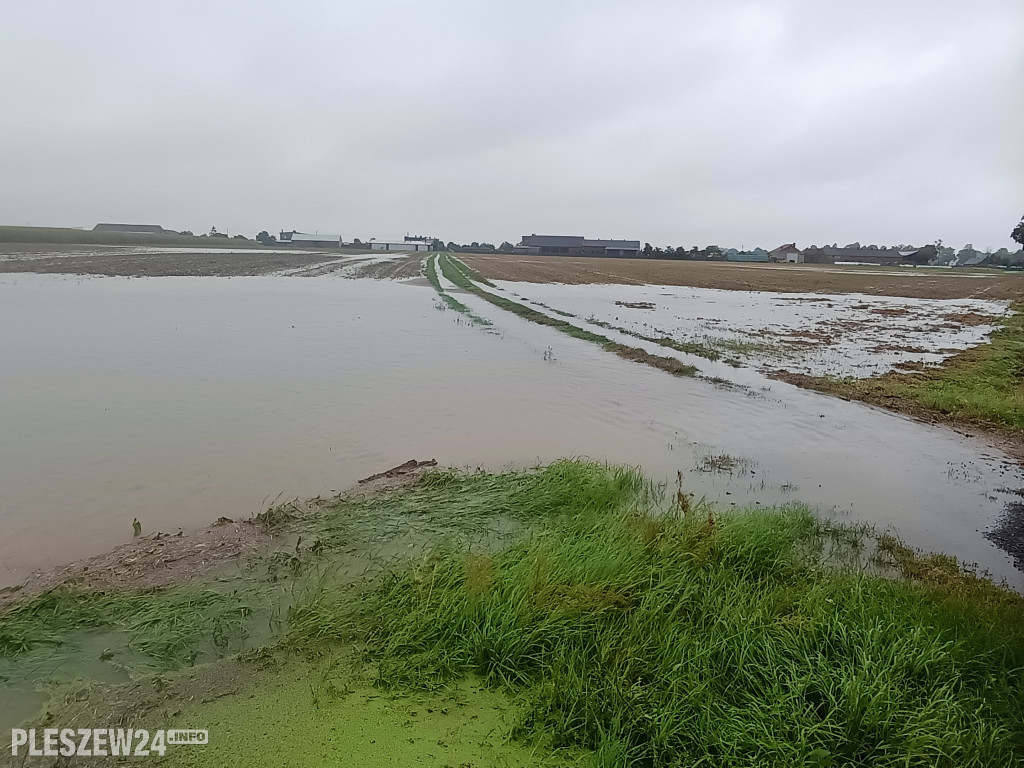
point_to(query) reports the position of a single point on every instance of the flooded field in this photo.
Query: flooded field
(169, 261)
(844, 335)
(177, 400)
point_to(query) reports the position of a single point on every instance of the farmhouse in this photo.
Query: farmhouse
(305, 240)
(567, 245)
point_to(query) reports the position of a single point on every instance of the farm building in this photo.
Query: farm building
(306, 240)
(880, 256)
(399, 245)
(134, 229)
(759, 255)
(568, 245)
(788, 253)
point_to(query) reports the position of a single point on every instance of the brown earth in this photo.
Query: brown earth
(156, 560)
(802, 278)
(161, 559)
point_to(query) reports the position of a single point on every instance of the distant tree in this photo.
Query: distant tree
(436, 245)
(265, 237)
(238, 237)
(506, 247)
(356, 241)
(213, 231)
(1018, 232)
(922, 255)
(186, 232)
(648, 250)
(451, 246)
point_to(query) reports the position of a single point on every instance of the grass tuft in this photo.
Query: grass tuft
(726, 640)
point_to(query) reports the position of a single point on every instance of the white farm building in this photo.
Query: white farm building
(400, 245)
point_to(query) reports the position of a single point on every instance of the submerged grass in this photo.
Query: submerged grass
(447, 298)
(688, 347)
(169, 625)
(983, 385)
(459, 274)
(703, 640)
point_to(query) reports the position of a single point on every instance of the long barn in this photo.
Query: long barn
(569, 245)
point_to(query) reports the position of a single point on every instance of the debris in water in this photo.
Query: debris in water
(136, 527)
(401, 469)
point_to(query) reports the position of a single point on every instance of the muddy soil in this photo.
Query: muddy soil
(162, 560)
(797, 278)
(132, 261)
(157, 560)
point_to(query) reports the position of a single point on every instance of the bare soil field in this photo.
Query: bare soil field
(797, 278)
(134, 261)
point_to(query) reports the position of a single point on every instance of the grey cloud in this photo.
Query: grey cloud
(676, 122)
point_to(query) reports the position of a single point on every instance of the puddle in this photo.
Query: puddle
(179, 400)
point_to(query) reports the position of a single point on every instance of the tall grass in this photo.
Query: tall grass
(704, 640)
(456, 271)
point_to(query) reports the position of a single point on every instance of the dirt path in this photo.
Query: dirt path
(811, 278)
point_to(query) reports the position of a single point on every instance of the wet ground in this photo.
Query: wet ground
(181, 400)
(145, 261)
(840, 335)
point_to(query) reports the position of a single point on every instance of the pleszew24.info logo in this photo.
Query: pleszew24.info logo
(100, 742)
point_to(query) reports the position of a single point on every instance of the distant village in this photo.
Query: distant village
(935, 254)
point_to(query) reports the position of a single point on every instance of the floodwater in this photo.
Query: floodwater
(851, 334)
(179, 400)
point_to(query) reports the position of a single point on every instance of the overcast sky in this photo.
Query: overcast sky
(674, 122)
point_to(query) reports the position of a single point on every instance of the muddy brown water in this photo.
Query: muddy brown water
(179, 400)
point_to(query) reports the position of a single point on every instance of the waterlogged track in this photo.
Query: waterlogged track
(221, 395)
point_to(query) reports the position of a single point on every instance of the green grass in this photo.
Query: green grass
(983, 385)
(728, 640)
(448, 299)
(459, 274)
(651, 637)
(167, 626)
